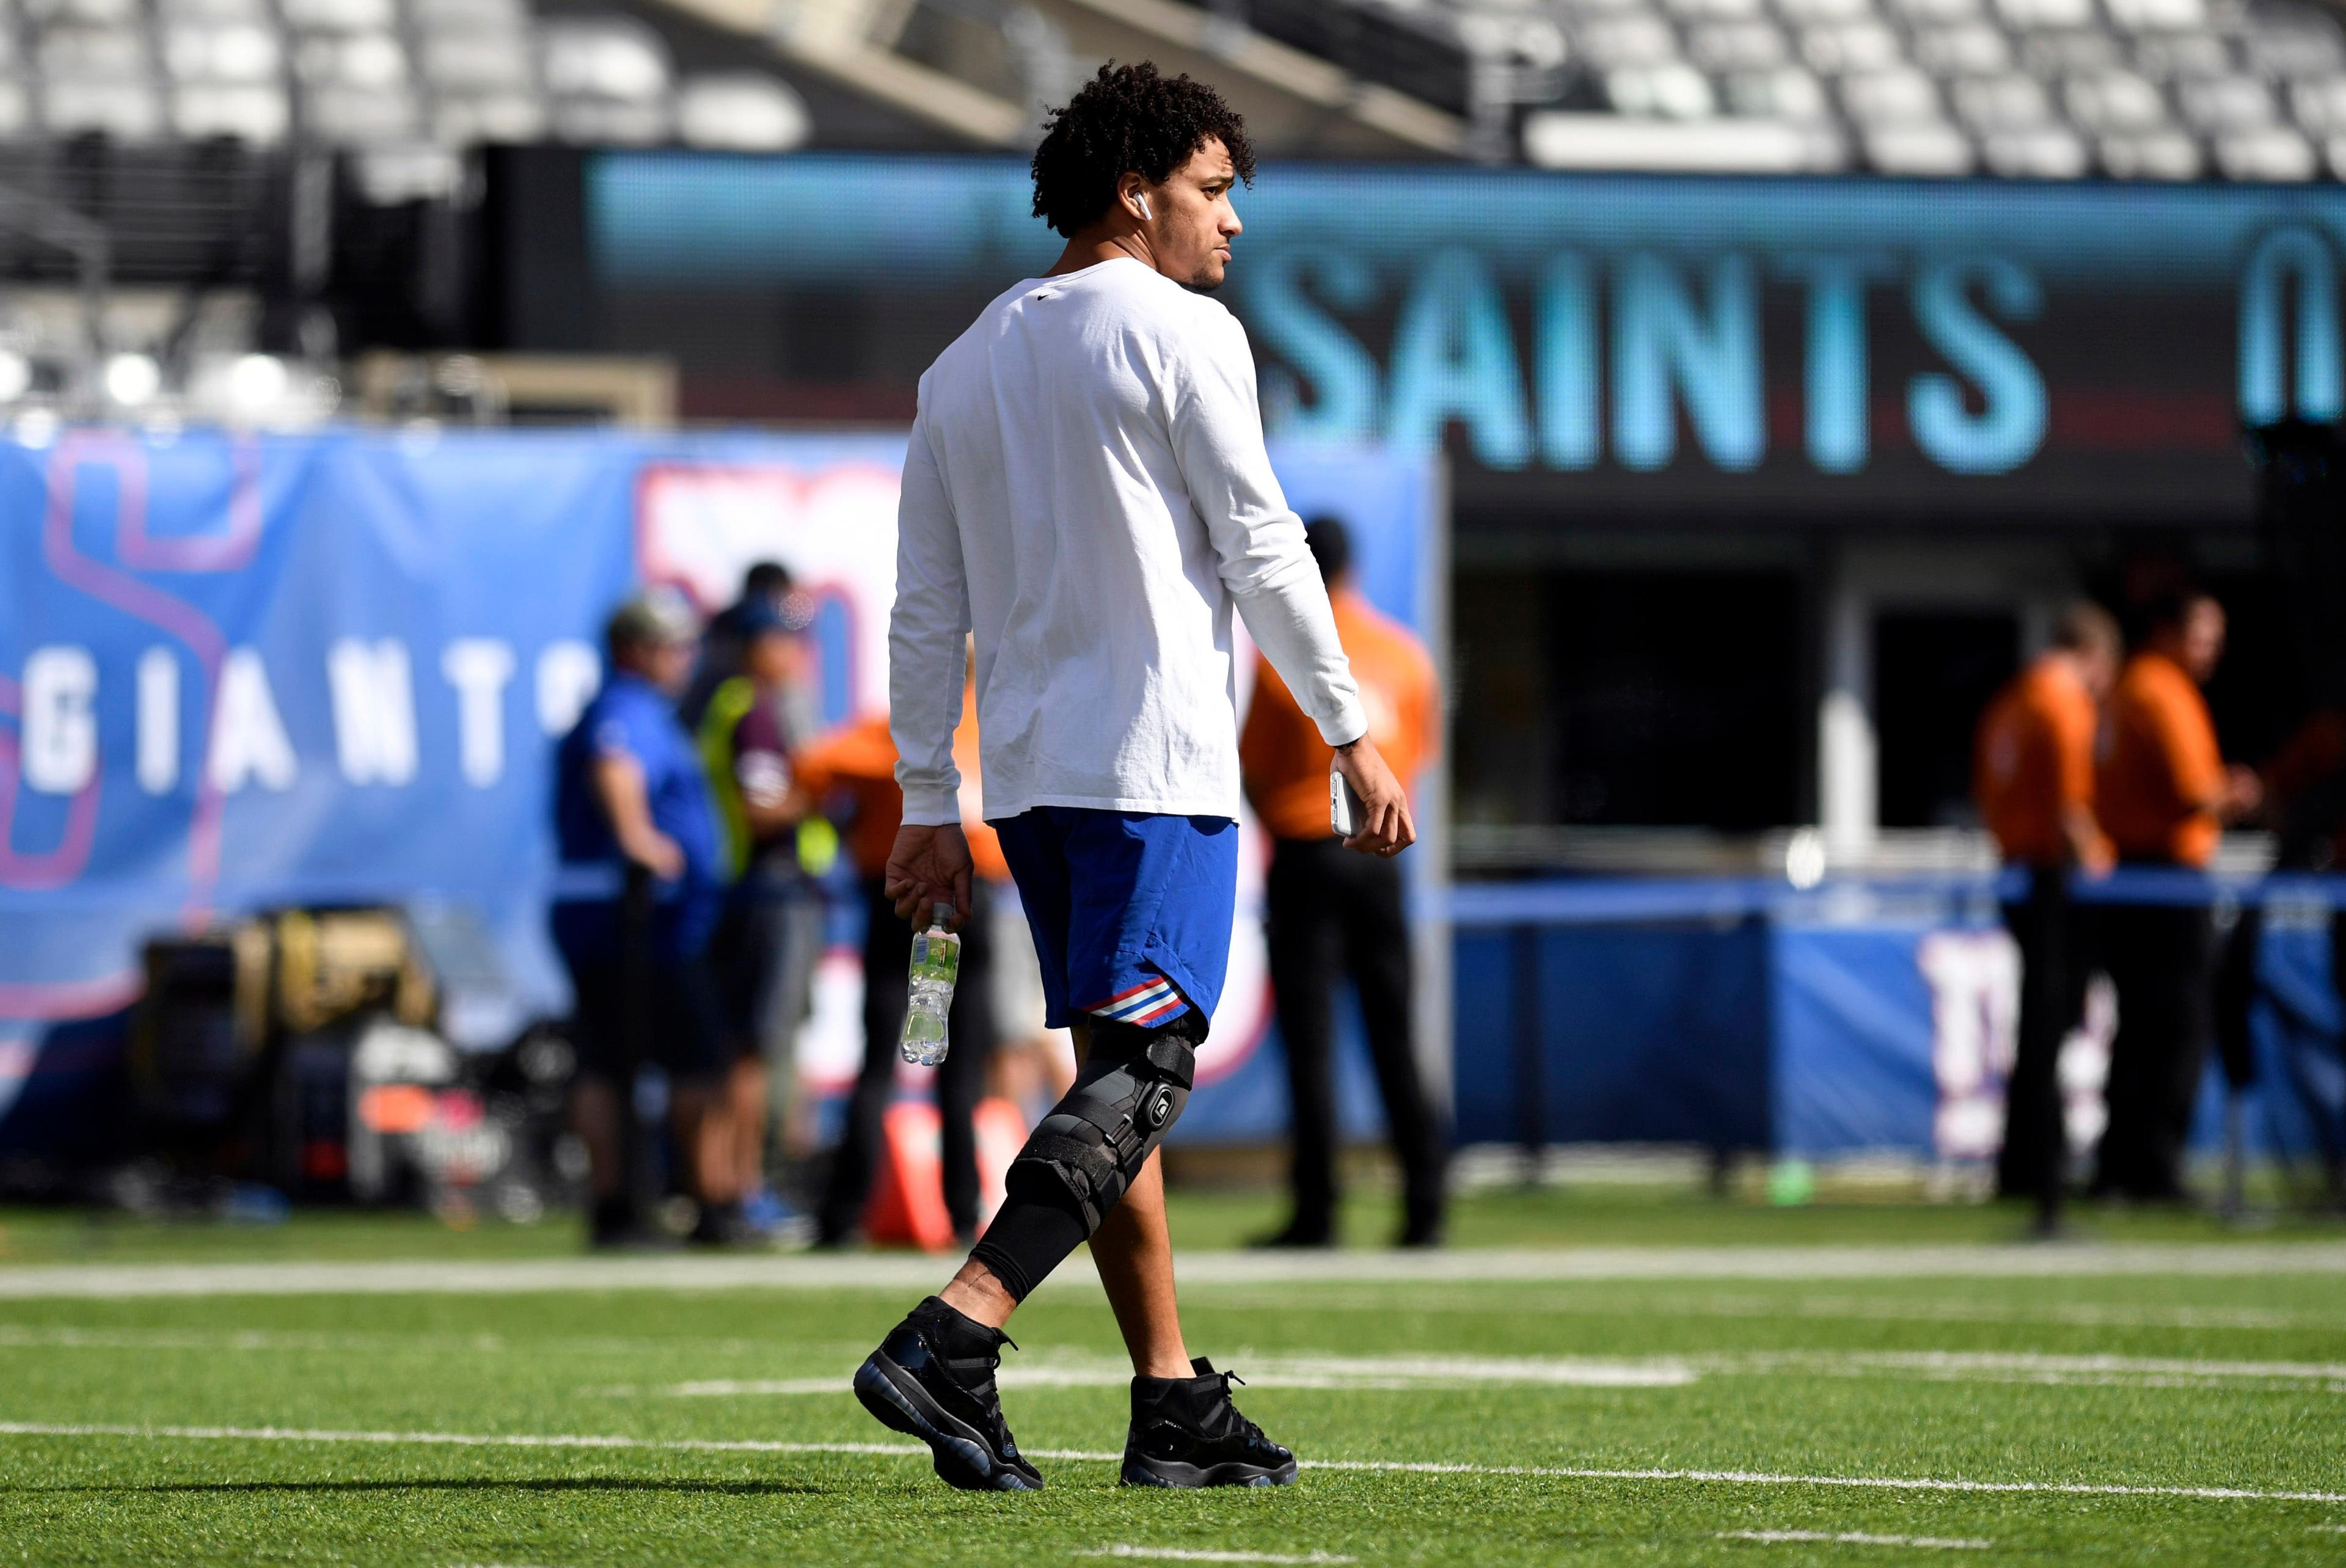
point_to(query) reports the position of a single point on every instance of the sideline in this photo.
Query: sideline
(1206, 1269)
(756, 1445)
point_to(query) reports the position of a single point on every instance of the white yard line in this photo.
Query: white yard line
(2085, 1315)
(57, 1336)
(2028, 1366)
(1197, 1269)
(1854, 1538)
(760, 1445)
(1431, 1372)
(1390, 1372)
(1193, 1554)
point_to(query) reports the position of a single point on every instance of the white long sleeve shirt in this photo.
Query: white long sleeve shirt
(1087, 490)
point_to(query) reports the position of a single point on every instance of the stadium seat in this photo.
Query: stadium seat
(740, 113)
(340, 16)
(1757, 44)
(96, 13)
(607, 79)
(1928, 149)
(2151, 155)
(462, 119)
(2320, 105)
(1839, 47)
(1962, 49)
(2038, 152)
(2115, 102)
(2271, 153)
(1787, 93)
(1630, 40)
(1667, 91)
(2167, 56)
(1990, 105)
(2222, 104)
(241, 51)
(252, 112)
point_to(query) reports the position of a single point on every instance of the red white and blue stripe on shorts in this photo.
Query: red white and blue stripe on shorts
(1153, 1001)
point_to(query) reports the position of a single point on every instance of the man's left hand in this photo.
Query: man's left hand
(1385, 826)
(928, 867)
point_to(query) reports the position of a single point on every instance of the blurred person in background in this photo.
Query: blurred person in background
(630, 793)
(766, 590)
(1033, 1064)
(2162, 794)
(1332, 914)
(772, 931)
(2033, 780)
(860, 762)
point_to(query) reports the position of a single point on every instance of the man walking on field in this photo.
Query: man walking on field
(1086, 490)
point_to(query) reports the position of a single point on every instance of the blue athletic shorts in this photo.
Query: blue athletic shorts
(1131, 911)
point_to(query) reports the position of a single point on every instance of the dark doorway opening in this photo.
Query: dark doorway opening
(1934, 673)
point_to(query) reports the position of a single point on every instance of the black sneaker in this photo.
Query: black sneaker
(1187, 1432)
(1295, 1237)
(724, 1225)
(933, 1379)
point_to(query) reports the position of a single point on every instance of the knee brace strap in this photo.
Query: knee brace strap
(1132, 1089)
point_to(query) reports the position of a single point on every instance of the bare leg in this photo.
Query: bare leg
(594, 1117)
(978, 1296)
(705, 1132)
(1133, 1251)
(745, 1096)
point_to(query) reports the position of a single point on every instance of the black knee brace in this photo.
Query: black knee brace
(1131, 1090)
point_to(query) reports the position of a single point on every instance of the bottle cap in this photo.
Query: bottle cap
(944, 913)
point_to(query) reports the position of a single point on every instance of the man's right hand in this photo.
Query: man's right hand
(657, 853)
(1385, 826)
(927, 867)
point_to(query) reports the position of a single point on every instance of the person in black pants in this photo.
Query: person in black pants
(961, 1079)
(2161, 959)
(2055, 968)
(2034, 782)
(1335, 914)
(2163, 793)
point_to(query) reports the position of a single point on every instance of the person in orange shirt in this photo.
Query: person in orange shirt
(1332, 914)
(855, 770)
(2162, 794)
(2034, 780)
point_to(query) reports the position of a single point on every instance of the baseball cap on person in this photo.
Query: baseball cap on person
(652, 617)
(756, 616)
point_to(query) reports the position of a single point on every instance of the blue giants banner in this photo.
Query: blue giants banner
(240, 672)
(1854, 1019)
(324, 670)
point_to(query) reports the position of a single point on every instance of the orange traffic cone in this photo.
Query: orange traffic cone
(1001, 1133)
(908, 1199)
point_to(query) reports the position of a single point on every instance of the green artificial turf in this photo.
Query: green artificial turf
(1597, 1215)
(2198, 1381)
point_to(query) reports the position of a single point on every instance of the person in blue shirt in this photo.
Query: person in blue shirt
(629, 789)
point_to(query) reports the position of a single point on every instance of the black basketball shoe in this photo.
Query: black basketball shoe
(1187, 1432)
(933, 1379)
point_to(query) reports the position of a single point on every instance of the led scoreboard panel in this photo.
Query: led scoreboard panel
(1836, 348)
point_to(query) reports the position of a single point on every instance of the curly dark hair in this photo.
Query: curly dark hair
(1128, 119)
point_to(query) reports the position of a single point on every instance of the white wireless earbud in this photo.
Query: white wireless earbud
(1144, 213)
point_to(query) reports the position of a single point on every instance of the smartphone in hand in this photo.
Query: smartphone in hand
(1346, 810)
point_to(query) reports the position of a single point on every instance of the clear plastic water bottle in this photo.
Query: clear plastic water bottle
(937, 965)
